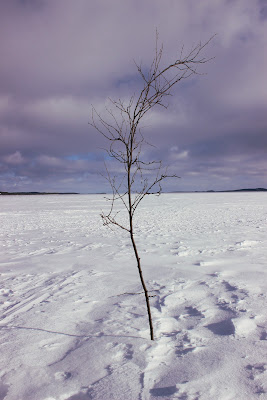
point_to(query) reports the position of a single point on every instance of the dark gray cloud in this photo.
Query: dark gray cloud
(59, 57)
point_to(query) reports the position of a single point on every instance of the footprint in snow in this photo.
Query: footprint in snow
(187, 343)
(256, 373)
(6, 292)
(193, 312)
(120, 351)
(62, 376)
(256, 370)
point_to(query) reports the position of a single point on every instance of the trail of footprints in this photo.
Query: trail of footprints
(174, 310)
(182, 249)
(179, 323)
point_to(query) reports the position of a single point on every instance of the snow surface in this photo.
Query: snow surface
(73, 328)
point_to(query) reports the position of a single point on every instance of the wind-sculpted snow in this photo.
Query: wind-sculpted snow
(73, 319)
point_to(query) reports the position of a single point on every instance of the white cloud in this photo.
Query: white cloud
(179, 156)
(61, 110)
(14, 159)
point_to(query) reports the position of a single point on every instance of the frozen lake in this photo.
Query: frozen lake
(72, 327)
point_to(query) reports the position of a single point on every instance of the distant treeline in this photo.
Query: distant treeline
(32, 193)
(240, 190)
(225, 191)
(197, 191)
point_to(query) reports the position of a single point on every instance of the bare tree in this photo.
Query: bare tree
(121, 127)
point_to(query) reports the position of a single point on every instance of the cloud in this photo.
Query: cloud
(60, 57)
(14, 159)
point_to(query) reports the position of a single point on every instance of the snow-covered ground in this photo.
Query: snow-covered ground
(72, 327)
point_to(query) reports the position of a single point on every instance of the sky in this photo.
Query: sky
(61, 57)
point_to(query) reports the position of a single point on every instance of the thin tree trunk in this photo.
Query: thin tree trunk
(133, 241)
(144, 286)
